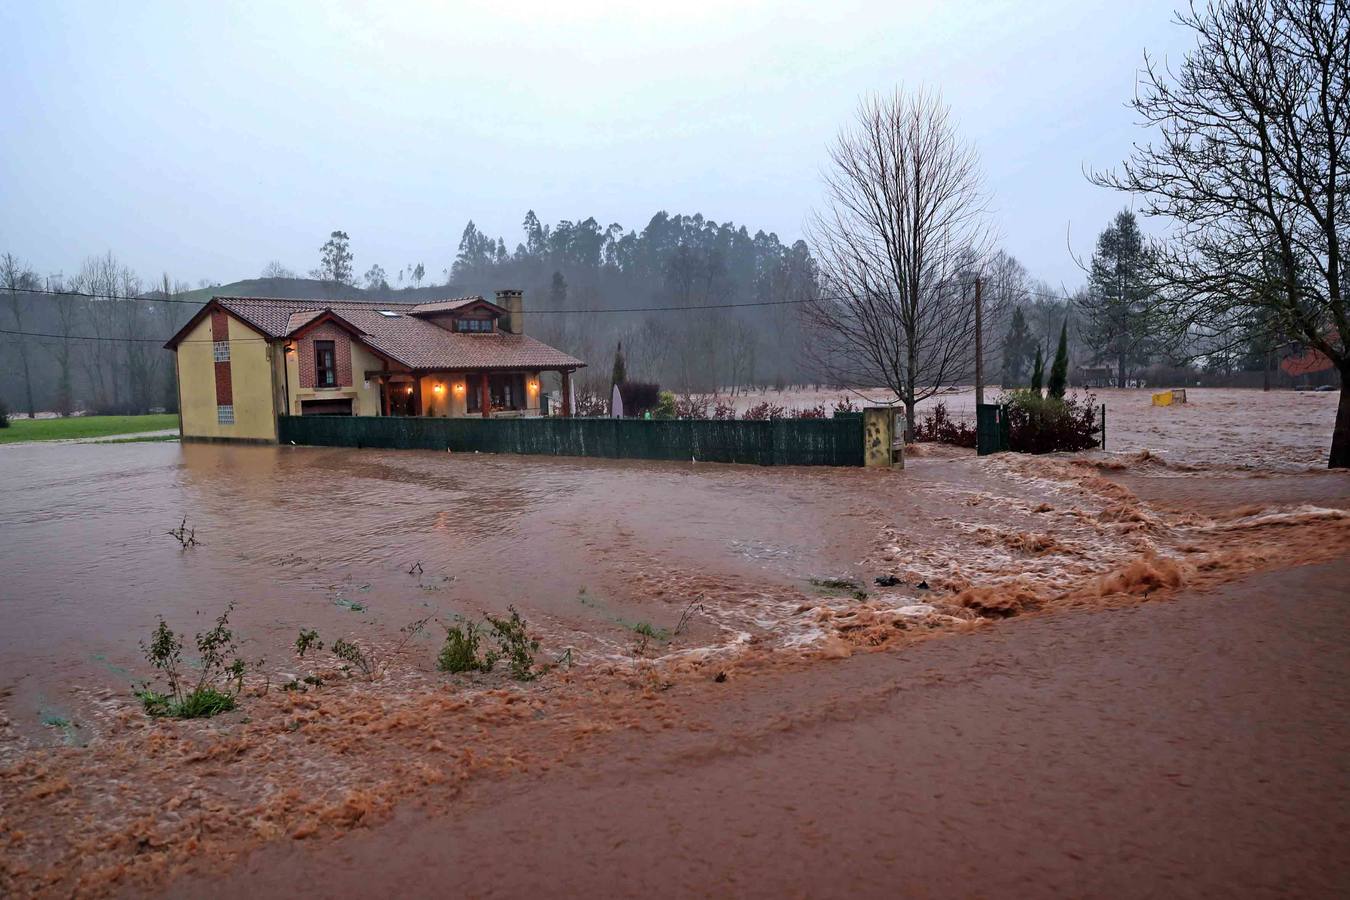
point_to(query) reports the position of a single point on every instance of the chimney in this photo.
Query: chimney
(514, 304)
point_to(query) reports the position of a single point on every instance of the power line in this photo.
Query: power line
(624, 309)
(1026, 292)
(100, 337)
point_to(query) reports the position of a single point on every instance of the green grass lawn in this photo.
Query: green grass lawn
(82, 427)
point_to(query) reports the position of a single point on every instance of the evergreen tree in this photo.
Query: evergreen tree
(1059, 371)
(557, 292)
(1119, 307)
(620, 375)
(1037, 372)
(477, 253)
(1018, 348)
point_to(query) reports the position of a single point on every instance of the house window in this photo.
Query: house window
(221, 351)
(475, 391)
(473, 325)
(507, 391)
(225, 414)
(325, 364)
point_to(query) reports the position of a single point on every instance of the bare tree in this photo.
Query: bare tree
(67, 315)
(274, 269)
(1251, 166)
(18, 281)
(904, 222)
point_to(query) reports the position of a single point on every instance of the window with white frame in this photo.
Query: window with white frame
(225, 414)
(221, 351)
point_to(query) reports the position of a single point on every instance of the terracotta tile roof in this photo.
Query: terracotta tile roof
(436, 306)
(414, 342)
(300, 319)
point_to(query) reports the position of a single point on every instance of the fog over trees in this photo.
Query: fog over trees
(73, 342)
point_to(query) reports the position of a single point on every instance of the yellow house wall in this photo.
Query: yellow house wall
(365, 395)
(250, 384)
(450, 402)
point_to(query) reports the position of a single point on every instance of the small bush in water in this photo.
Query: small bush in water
(218, 684)
(939, 427)
(308, 640)
(515, 644)
(350, 653)
(460, 652)
(1039, 424)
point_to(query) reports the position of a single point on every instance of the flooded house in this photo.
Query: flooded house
(244, 361)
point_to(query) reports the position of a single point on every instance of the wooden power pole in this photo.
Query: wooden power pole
(979, 342)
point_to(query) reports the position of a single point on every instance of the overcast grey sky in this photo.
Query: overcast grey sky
(206, 139)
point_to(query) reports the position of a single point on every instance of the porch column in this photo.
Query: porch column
(417, 395)
(485, 397)
(567, 393)
(384, 395)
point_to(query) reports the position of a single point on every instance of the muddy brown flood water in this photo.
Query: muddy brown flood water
(326, 539)
(358, 544)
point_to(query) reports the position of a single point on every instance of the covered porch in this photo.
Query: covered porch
(452, 393)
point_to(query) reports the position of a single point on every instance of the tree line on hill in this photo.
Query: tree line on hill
(82, 346)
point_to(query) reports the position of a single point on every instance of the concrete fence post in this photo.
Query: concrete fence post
(878, 435)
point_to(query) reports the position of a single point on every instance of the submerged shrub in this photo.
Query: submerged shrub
(463, 648)
(308, 640)
(515, 644)
(352, 655)
(219, 681)
(845, 405)
(765, 411)
(460, 653)
(690, 406)
(1039, 424)
(937, 426)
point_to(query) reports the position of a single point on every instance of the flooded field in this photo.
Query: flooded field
(636, 577)
(1286, 430)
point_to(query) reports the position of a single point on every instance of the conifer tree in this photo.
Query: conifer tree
(620, 374)
(1017, 350)
(1037, 372)
(1059, 371)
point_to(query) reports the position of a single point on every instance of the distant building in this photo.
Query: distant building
(243, 361)
(1096, 377)
(1301, 360)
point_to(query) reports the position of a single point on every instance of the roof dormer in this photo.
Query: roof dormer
(463, 315)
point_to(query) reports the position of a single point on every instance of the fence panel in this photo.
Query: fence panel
(784, 442)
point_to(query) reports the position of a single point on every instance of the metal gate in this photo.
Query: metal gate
(991, 428)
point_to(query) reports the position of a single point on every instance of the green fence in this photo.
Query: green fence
(783, 442)
(991, 428)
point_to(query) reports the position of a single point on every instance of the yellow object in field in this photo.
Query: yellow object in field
(1167, 398)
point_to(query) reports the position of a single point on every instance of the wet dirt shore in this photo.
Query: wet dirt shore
(1159, 750)
(696, 623)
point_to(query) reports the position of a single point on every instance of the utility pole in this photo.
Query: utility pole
(979, 342)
